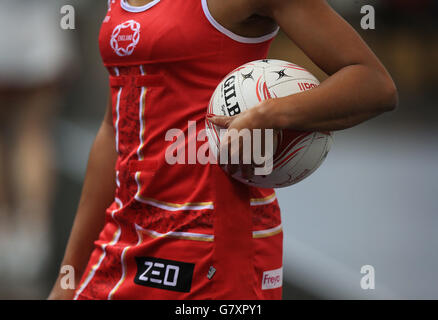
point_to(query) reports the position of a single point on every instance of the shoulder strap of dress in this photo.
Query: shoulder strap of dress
(111, 3)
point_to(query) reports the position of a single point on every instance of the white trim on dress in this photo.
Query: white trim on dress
(125, 5)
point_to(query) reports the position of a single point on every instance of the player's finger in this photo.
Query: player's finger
(221, 121)
(232, 168)
(247, 171)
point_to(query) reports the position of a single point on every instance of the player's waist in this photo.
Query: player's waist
(155, 223)
(142, 233)
(181, 188)
(191, 209)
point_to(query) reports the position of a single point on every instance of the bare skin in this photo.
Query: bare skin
(358, 89)
(97, 195)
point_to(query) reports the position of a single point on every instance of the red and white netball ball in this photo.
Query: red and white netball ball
(297, 154)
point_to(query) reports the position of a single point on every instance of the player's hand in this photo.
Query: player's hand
(233, 143)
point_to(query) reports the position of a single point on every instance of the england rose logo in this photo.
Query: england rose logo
(125, 38)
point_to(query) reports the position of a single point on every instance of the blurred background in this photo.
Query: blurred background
(373, 202)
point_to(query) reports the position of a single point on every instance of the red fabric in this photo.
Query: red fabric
(170, 59)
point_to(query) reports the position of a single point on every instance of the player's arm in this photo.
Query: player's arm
(97, 194)
(358, 88)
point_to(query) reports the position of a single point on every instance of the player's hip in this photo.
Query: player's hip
(182, 266)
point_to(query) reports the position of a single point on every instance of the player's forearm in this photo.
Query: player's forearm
(352, 95)
(97, 195)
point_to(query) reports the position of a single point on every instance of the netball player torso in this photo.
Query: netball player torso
(183, 230)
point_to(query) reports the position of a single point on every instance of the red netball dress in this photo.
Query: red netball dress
(184, 230)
